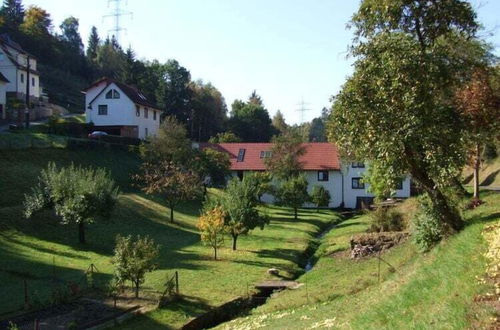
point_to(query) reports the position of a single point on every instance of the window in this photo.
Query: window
(137, 111)
(358, 165)
(322, 175)
(241, 155)
(102, 110)
(146, 131)
(22, 78)
(357, 183)
(154, 115)
(266, 154)
(145, 112)
(399, 184)
(112, 94)
(33, 81)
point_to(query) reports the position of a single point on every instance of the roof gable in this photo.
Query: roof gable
(317, 156)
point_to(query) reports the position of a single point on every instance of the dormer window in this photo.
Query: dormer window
(266, 154)
(241, 155)
(112, 94)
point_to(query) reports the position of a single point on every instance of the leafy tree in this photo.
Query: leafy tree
(250, 122)
(317, 131)
(213, 164)
(262, 180)
(93, 45)
(396, 109)
(173, 92)
(286, 151)
(12, 14)
(320, 196)
(77, 195)
(212, 228)
(293, 193)
(70, 35)
(382, 182)
(480, 108)
(239, 204)
(171, 144)
(224, 137)
(254, 98)
(170, 181)
(279, 122)
(110, 60)
(134, 258)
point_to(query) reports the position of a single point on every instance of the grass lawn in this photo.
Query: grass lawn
(432, 290)
(41, 248)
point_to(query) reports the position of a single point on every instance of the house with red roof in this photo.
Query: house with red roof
(120, 109)
(322, 166)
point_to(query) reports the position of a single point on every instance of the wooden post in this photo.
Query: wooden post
(37, 324)
(379, 266)
(176, 282)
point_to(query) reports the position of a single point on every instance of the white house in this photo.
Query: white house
(321, 165)
(120, 109)
(3, 98)
(14, 66)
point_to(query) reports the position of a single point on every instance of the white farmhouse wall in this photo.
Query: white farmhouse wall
(3, 90)
(351, 195)
(121, 112)
(13, 74)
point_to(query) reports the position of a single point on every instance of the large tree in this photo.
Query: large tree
(251, 122)
(286, 151)
(77, 195)
(293, 193)
(479, 106)
(397, 108)
(12, 14)
(93, 44)
(71, 35)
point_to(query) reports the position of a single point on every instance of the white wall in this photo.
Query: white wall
(121, 112)
(11, 72)
(3, 90)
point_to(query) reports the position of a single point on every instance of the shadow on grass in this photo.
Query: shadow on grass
(490, 178)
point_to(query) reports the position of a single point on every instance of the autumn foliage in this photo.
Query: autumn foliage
(212, 228)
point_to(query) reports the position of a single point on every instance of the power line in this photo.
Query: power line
(302, 109)
(116, 14)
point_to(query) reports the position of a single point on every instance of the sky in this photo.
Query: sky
(289, 51)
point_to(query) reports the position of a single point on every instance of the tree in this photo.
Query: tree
(70, 35)
(77, 195)
(12, 13)
(224, 137)
(250, 122)
(212, 228)
(134, 258)
(214, 165)
(293, 193)
(262, 180)
(239, 204)
(279, 122)
(382, 182)
(170, 144)
(317, 130)
(170, 181)
(320, 196)
(479, 107)
(93, 45)
(254, 98)
(396, 109)
(110, 60)
(286, 151)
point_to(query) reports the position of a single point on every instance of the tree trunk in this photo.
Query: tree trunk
(171, 214)
(137, 289)
(81, 232)
(295, 213)
(235, 237)
(447, 212)
(477, 164)
(215, 253)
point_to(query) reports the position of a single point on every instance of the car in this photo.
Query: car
(97, 134)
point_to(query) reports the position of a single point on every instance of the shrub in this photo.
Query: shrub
(320, 196)
(386, 219)
(427, 228)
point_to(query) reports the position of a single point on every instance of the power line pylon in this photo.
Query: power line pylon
(117, 13)
(302, 109)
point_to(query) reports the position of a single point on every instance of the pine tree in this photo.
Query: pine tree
(93, 44)
(12, 12)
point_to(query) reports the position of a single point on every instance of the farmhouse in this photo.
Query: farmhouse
(120, 109)
(3, 98)
(322, 166)
(20, 69)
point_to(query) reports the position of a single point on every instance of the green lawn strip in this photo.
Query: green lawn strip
(433, 290)
(40, 248)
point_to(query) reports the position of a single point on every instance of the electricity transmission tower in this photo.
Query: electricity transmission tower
(116, 14)
(302, 109)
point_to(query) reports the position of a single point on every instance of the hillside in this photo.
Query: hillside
(41, 250)
(436, 289)
(489, 174)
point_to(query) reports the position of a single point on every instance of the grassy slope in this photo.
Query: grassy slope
(433, 290)
(489, 174)
(35, 249)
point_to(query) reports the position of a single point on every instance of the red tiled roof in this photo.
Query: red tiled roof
(318, 156)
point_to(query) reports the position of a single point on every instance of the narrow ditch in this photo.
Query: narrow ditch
(242, 306)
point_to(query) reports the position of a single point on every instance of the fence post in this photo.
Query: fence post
(26, 301)
(176, 282)
(379, 266)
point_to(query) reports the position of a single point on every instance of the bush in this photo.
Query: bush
(386, 219)
(427, 228)
(320, 196)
